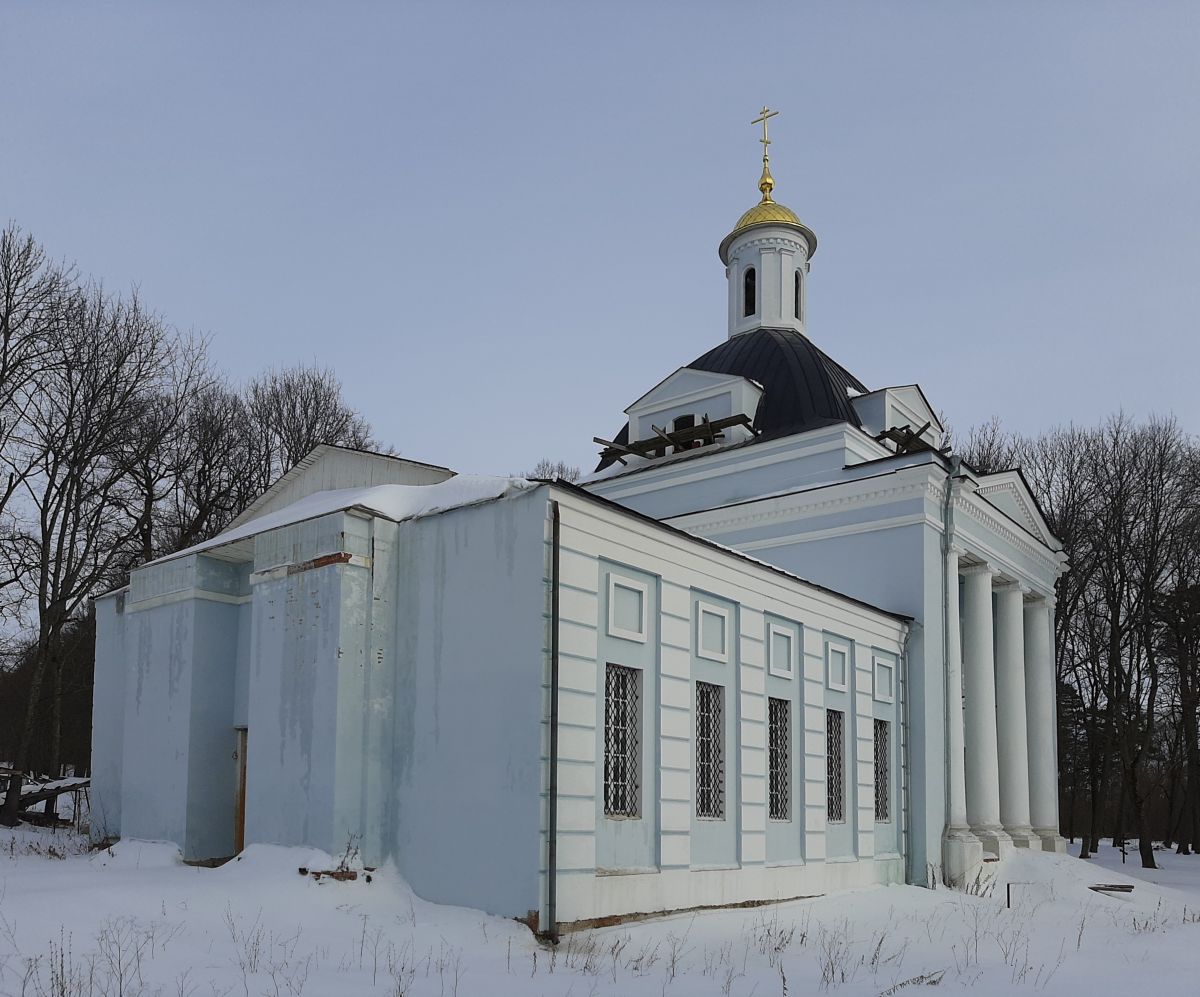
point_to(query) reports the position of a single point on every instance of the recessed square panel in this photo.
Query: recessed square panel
(712, 632)
(837, 666)
(885, 681)
(781, 651)
(626, 608)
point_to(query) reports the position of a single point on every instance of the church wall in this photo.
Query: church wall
(692, 870)
(108, 717)
(292, 739)
(165, 665)
(897, 567)
(471, 610)
(211, 770)
(628, 844)
(154, 784)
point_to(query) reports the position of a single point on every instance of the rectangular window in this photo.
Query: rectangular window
(835, 767)
(622, 742)
(883, 811)
(779, 761)
(710, 751)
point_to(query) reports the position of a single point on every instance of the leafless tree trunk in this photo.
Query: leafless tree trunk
(86, 421)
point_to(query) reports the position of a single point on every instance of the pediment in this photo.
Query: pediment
(1008, 492)
(683, 384)
(897, 407)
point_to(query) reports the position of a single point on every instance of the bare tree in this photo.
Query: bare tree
(215, 449)
(991, 448)
(295, 409)
(86, 416)
(31, 296)
(551, 469)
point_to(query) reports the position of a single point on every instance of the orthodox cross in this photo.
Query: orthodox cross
(765, 115)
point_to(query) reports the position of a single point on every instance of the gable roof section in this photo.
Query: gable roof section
(355, 469)
(390, 501)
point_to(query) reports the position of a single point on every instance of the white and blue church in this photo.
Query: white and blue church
(782, 642)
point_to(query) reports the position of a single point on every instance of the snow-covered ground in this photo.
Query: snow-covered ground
(134, 921)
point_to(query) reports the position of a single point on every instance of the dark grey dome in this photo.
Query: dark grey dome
(802, 387)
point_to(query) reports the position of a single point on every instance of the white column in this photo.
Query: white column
(1010, 714)
(979, 681)
(962, 852)
(1041, 721)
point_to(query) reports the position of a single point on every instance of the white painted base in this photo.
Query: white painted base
(1023, 836)
(1050, 840)
(583, 895)
(962, 857)
(996, 841)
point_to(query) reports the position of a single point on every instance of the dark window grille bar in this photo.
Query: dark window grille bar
(710, 751)
(883, 733)
(622, 742)
(835, 761)
(780, 758)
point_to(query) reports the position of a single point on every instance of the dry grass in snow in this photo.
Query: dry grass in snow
(133, 921)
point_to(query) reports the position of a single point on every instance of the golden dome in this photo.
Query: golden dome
(765, 212)
(768, 212)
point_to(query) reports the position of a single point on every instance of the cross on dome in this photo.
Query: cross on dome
(767, 182)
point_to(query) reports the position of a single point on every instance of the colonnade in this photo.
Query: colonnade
(1003, 774)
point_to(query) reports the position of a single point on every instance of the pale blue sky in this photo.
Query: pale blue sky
(499, 222)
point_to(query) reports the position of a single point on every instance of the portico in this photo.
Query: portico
(1001, 733)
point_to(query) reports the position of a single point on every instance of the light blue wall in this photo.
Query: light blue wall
(108, 717)
(157, 714)
(625, 843)
(472, 633)
(716, 843)
(785, 838)
(899, 568)
(887, 833)
(293, 709)
(211, 769)
(840, 837)
(179, 659)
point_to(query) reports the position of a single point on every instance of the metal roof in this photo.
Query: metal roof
(803, 388)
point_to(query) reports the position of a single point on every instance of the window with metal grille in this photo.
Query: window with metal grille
(835, 766)
(779, 758)
(883, 733)
(710, 750)
(622, 742)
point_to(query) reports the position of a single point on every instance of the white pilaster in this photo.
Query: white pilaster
(1041, 721)
(979, 680)
(962, 852)
(1010, 714)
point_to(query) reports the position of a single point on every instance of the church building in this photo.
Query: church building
(780, 643)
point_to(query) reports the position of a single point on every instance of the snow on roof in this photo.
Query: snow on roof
(396, 502)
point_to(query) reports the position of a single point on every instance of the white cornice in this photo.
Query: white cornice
(882, 489)
(724, 460)
(183, 595)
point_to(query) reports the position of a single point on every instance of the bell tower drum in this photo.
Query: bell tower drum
(766, 258)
